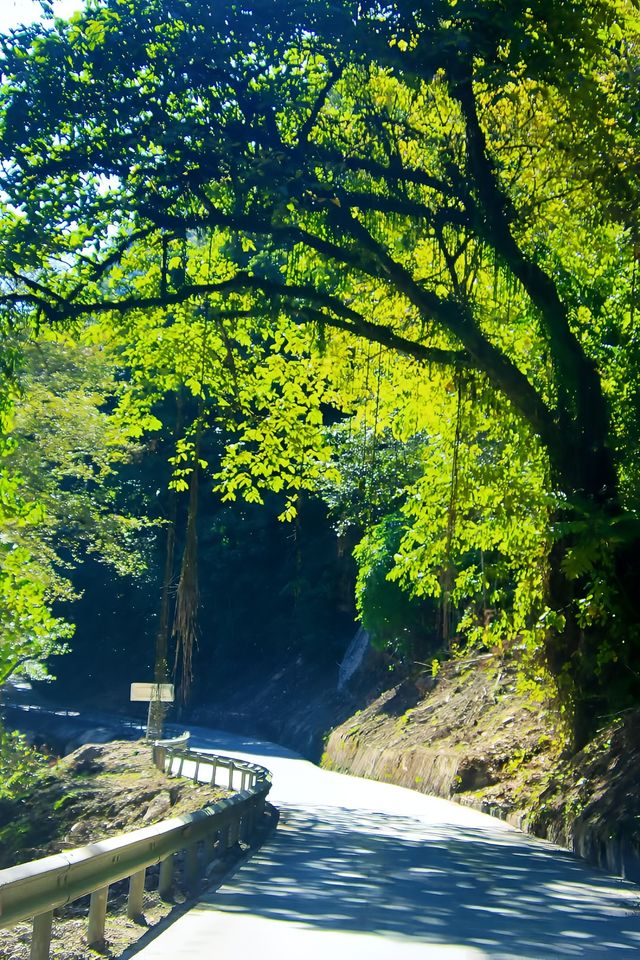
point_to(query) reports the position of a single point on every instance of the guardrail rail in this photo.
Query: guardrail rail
(36, 889)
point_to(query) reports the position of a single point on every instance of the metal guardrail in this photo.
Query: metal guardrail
(37, 888)
(181, 741)
(248, 774)
(160, 747)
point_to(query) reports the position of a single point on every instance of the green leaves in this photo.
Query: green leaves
(29, 632)
(396, 620)
(57, 499)
(333, 211)
(19, 764)
(477, 524)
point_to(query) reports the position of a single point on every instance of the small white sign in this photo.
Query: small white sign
(152, 691)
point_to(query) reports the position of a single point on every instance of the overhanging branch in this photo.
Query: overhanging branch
(302, 300)
(582, 410)
(386, 337)
(456, 319)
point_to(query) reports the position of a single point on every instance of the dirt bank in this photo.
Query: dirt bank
(469, 735)
(95, 792)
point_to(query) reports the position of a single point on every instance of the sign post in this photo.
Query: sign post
(154, 693)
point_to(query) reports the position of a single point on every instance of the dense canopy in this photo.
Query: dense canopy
(421, 217)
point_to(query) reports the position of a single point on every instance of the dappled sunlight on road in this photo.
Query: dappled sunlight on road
(399, 877)
(359, 870)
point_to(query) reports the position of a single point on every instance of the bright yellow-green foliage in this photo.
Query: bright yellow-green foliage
(422, 218)
(60, 455)
(19, 764)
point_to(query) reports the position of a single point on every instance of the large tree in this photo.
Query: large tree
(453, 181)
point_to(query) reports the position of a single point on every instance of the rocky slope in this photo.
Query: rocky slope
(470, 735)
(98, 791)
(295, 704)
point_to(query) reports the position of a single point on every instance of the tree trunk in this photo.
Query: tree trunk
(157, 709)
(595, 665)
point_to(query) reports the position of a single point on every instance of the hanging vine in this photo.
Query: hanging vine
(185, 623)
(448, 570)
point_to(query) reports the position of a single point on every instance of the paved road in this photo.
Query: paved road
(367, 871)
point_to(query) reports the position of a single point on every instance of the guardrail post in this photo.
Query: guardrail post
(225, 837)
(159, 756)
(214, 767)
(195, 772)
(247, 826)
(165, 879)
(192, 866)
(41, 938)
(234, 831)
(97, 916)
(231, 772)
(210, 846)
(136, 895)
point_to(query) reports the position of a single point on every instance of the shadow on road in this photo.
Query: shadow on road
(395, 876)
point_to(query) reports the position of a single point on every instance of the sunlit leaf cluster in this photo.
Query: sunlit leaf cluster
(420, 220)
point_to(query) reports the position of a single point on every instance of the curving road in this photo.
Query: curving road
(359, 870)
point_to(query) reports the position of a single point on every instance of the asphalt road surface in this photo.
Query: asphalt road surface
(359, 870)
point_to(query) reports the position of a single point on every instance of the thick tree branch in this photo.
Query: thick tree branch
(327, 310)
(257, 226)
(32, 284)
(455, 317)
(405, 206)
(310, 122)
(385, 336)
(394, 172)
(583, 413)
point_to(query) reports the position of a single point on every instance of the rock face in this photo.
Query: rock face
(454, 735)
(158, 808)
(469, 736)
(591, 803)
(87, 759)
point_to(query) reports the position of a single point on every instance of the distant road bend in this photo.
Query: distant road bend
(359, 870)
